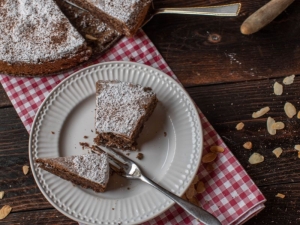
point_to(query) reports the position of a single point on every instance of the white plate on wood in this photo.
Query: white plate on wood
(171, 142)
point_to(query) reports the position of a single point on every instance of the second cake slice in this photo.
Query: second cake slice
(121, 111)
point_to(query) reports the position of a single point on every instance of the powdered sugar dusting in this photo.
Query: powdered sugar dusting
(120, 106)
(93, 167)
(124, 10)
(35, 31)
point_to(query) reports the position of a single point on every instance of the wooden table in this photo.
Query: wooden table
(229, 79)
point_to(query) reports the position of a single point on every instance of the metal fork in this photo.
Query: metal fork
(130, 169)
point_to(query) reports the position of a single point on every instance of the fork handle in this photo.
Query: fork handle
(197, 212)
(219, 10)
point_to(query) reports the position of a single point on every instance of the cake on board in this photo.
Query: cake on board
(121, 110)
(125, 16)
(36, 38)
(98, 35)
(88, 170)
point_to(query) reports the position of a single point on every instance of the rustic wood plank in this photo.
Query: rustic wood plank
(21, 191)
(4, 100)
(38, 217)
(279, 211)
(184, 42)
(228, 104)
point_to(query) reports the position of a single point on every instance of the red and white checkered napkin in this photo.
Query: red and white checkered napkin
(230, 193)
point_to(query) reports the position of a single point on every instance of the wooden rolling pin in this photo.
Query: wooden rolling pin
(264, 16)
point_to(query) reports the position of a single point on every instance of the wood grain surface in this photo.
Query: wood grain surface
(229, 79)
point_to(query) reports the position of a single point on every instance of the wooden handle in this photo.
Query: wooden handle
(264, 16)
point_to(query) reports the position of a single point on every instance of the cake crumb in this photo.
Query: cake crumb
(92, 131)
(128, 154)
(52, 132)
(128, 188)
(84, 144)
(165, 134)
(140, 156)
(113, 208)
(85, 137)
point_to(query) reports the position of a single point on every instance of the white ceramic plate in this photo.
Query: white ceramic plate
(171, 142)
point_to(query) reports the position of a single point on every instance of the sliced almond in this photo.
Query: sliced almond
(191, 192)
(90, 37)
(279, 195)
(200, 187)
(277, 151)
(1, 194)
(270, 122)
(297, 147)
(289, 80)
(216, 149)
(25, 169)
(298, 115)
(209, 157)
(248, 145)
(240, 126)
(261, 112)
(278, 88)
(289, 109)
(256, 158)
(195, 180)
(194, 201)
(4, 211)
(278, 125)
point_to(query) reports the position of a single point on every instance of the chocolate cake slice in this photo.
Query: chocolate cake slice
(98, 35)
(121, 111)
(125, 16)
(88, 170)
(37, 39)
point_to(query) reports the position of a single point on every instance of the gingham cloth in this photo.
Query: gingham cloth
(230, 193)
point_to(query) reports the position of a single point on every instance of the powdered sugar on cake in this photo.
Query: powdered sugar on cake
(119, 107)
(93, 167)
(124, 10)
(33, 31)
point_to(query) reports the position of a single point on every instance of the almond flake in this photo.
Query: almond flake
(4, 211)
(216, 149)
(256, 158)
(240, 126)
(298, 115)
(248, 145)
(270, 122)
(200, 187)
(194, 201)
(278, 88)
(261, 112)
(278, 125)
(277, 152)
(297, 147)
(290, 109)
(195, 181)
(25, 169)
(289, 80)
(209, 157)
(1, 194)
(279, 195)
(90, 37)
(191, 192)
